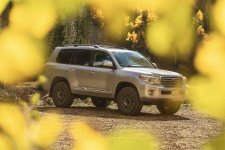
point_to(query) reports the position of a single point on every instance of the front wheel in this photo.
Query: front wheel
(169, 107)
(128, 101)
(100, 103)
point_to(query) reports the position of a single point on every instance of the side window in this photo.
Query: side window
(64, 56)
(100, 57)
(82, 58)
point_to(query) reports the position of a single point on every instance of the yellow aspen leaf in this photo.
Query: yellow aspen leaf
(132, 140)
(5, 144)
(13, 123)
(35, 98)
(219, 15)
(211, 55)
(37, 19)
(44, 132)
(86, 138)
(199, 15)
(21, 56)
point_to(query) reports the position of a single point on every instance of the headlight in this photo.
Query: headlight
(150, 79)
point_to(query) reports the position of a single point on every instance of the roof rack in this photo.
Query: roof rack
(95, 46)
(76, 45)
(106, 46)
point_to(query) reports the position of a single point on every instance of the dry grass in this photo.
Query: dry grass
(18, 92)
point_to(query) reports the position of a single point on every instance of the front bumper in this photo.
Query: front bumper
(150, 93)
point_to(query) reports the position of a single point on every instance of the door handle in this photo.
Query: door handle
(92, 73)
(69, 70)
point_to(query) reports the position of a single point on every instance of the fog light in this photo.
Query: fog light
(151, 92)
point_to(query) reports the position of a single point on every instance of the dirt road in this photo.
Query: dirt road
(185, 130)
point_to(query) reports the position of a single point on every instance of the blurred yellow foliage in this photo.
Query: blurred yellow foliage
(36, 19)
(13, 127)
(200, 30)
(219, 15)
(3, 5)
(207, 96)
(210, 57)
(86, 138)
(132, 37)
(127, 21)
(35, 98)
(174, 23)
(217, 144)
(138, 21)
(152, 17)
(199, 15)
(41, 79)
(21, 56)
(114, 13)
(21, 44)
(207, 92)
(5, 144)
(18, 133)
(117, 10)
(67, 8)
(98, 14)
(199, 24)
(132, 140)
(209, 61)
(44, 132)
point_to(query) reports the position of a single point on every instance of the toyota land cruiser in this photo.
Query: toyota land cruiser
(106, 73)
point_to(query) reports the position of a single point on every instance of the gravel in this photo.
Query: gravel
(187, 129)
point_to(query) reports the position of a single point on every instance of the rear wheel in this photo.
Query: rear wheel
(169, 107)
(61, 95)
(128, 101)
(100, 103)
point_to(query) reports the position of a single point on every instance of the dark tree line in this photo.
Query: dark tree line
(77, 30)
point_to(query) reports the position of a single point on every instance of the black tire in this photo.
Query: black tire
(128, 101)
(168, 107)
(61, 95)
(100, 103)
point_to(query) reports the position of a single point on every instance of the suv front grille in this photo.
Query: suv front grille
(170, 82)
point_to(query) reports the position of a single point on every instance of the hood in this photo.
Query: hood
(152, 71)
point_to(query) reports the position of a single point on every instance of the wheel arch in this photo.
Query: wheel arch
(122, 85)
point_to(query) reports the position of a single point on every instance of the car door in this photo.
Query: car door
(78, 70)
(101, 78)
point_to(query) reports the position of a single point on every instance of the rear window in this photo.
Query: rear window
(64, 56)
(82, 58)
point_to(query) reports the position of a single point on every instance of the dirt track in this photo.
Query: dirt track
(185, 130)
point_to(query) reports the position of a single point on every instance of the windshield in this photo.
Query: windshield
(132, 59)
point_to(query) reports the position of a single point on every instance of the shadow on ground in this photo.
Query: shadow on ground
(108, 113)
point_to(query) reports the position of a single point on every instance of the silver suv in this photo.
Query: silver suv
(106, 73)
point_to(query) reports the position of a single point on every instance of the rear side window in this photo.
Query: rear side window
(64, 56)
(82, 58)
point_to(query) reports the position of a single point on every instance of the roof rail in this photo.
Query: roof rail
(76, 45)
(95, 46)
(106, 46)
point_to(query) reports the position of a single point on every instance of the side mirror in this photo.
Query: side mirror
(107, 64)
(154, 64)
